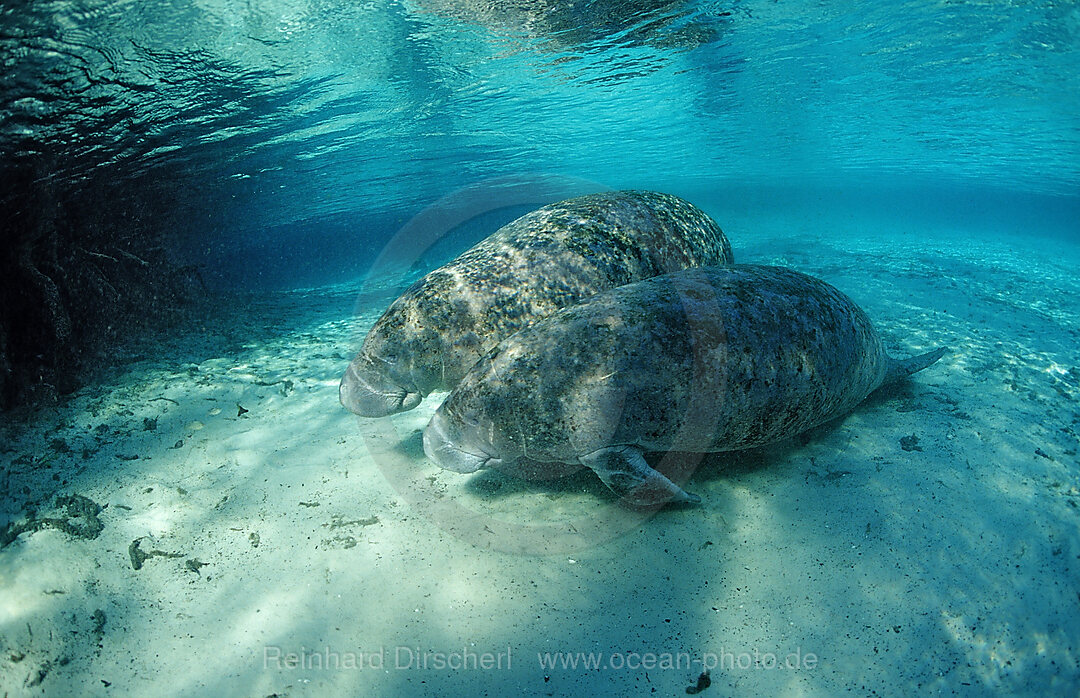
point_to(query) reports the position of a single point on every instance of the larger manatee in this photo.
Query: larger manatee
(702, 360)
(549, 259)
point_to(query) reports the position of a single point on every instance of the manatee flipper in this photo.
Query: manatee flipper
(902, 368)
(624, 470)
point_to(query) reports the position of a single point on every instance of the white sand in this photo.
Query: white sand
(950, 568)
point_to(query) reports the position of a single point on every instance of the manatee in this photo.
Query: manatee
(549, 259)
(702, 360)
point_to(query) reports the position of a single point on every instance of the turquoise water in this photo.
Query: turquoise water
(327, 125)
(181, 523)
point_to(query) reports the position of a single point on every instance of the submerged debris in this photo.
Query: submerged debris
(703, 682)
(339, 521)
(98, 630)
(79, 520)
(342, 538)
(138, 556)
(910, 443)
(194, 564)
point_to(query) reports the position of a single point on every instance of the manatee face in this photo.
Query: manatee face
(455, 445)
(464, 436)
(401, 361)
(373, 387)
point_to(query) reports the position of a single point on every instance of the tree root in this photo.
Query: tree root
(132, 257)
(49, 294)
(90, 253)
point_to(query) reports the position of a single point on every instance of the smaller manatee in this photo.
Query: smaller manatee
(701, 360)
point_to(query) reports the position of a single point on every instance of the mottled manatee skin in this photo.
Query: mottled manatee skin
(551, 258)
(712, 359)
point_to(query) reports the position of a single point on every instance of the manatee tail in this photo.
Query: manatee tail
(902, 368)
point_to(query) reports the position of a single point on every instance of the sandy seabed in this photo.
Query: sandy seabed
(211, 522)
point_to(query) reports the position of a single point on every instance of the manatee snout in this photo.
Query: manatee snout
(367, 389)
(451, 447)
